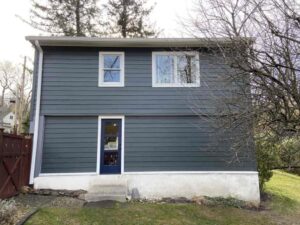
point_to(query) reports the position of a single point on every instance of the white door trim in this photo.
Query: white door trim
(122, 118)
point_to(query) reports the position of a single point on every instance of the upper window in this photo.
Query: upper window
(175, 69)
(111, 69)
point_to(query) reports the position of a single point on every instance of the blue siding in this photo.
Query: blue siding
(162, 132)
(70, 144)
(70, 86)
(153, 143)
(178, 144)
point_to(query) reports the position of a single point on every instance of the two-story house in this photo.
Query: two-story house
(114, 112)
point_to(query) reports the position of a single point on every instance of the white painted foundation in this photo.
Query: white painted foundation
(240, 185)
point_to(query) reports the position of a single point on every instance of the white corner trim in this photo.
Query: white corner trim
(122, 118)
(101, 82)
(37, 112)
(175, 83)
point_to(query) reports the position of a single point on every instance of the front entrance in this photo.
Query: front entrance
(111, 145)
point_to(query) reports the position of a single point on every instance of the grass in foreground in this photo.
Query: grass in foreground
(285, 209)
(285, 191)
(147, 213)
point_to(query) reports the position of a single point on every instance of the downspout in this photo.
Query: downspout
(37, 112)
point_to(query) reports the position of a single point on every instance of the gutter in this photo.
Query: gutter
(37, 112)
(134, 42)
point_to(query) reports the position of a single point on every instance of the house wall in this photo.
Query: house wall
(70, 85)
(8, 122)
(155, 143)
(162, 132)
(240, 185)
(186, 143)
(70, 145)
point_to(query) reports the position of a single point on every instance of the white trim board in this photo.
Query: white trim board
(176, 83)
(190, 172)
(101, 82)
(122, 118)
(67, 174)
(37, 112)
(148, 173)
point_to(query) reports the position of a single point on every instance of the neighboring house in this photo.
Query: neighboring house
(8, 122)
(114, 112)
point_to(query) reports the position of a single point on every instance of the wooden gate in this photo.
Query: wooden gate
(15, 159)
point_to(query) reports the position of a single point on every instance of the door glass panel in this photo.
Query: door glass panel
(111, 141)
(110, 158)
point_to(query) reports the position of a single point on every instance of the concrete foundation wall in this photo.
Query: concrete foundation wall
(240, 185)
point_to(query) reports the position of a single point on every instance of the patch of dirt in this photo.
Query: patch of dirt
(33, 201)
(102, 204)
(67, 202)
(27, 203)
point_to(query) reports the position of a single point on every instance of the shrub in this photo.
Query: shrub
(267, 159)
(7, 211)
(275, 153)
(289, 152)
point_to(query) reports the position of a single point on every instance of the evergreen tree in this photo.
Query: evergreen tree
(66, 17)
(127, 18)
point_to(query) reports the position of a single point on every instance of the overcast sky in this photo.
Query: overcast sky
(13, 31)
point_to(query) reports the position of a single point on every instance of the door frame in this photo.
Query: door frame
(122, 118)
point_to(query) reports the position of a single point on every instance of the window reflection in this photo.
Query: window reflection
(112, 68)
(111, 158)
(164, 68)
(186, 68)
(111, 136)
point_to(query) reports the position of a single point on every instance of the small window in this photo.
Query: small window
(11, 117)
(111, 69)
(175, 69)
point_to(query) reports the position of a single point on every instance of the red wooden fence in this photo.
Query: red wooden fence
(15, 159)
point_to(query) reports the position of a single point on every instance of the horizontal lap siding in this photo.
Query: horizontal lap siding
(161, 130)
(70, 145)
(177, 144)
(70, 86)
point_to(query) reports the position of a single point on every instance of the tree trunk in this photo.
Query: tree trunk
(2, 97)
(124, 20)
(77, 12)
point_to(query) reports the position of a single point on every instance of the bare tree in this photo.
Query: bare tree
(7, 73)
(16, 83)
(258, 42)
(21, 90)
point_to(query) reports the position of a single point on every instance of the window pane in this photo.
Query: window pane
(111, 143)
(186, 69)
(111, 131)
(111, 158)
(111, 76)
(111, 61)
(164, 68)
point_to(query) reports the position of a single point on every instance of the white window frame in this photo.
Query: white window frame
(176, 83)
(101, 82)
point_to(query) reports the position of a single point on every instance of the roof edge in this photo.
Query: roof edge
(130, 42)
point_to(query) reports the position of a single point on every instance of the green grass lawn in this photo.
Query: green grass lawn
(285, 191)
(284, 207)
